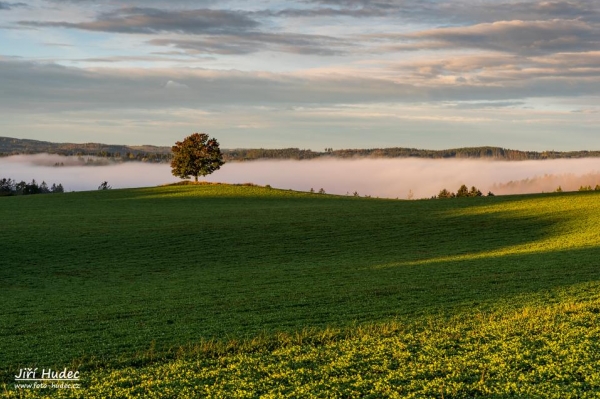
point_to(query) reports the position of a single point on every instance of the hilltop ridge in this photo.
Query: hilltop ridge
(14, 146)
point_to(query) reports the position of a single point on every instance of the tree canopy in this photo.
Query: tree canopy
(463, 192)
(197, 155)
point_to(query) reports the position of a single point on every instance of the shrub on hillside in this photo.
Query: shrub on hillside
(446, 194)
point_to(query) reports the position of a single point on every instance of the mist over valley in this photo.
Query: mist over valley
(385, 178)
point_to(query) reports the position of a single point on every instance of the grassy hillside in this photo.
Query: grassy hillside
(225, 288)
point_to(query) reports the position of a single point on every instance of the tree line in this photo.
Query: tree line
(147, 153)
(401, 152)
(12, 187)
(119, 153)
(463, 192)
(588, 188)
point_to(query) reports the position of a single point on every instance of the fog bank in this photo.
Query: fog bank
(77, 176)
(391, 178)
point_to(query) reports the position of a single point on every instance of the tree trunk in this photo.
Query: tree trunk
(196, 177)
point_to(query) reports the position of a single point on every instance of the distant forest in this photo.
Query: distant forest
(145, 153)
(148, 153)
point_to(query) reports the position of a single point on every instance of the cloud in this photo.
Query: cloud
(543, 26)
(527, 10)
(590, 59)
(212, 45)
(30, 87)
(501, 69)
(9, 6)
(162, 3)
(155, 57)
(471, 12)
(486, 104)
(213, 31)
(373, 4)
(153, 20)
(517, 37)
(251, 42)
(159, 2)
(49, 44)
(456, 11)
(324, 12)
(172, 85)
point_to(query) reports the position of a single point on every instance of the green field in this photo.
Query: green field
(241, 291)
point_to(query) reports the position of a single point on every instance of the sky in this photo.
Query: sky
(309, 74)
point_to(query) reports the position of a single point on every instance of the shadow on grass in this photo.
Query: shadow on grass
(439, 288)
(402, 294)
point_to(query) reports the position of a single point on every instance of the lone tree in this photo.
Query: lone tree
(196, 155)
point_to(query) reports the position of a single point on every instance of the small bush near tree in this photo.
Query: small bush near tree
(104, 186)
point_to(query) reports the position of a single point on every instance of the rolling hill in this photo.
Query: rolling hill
(241, 291)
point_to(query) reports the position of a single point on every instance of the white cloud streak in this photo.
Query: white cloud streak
(36, 86)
